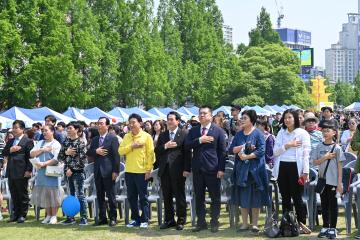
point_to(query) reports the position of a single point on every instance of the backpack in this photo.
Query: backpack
(289, 226)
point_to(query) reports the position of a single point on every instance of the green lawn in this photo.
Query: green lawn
(35, 230)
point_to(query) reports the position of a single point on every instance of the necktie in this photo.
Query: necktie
(171, 136)
(203, 132)
(101, 141)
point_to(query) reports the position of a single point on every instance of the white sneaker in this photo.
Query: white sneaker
(144, 225)
(46, 220)
(53, 220)
(132, 224)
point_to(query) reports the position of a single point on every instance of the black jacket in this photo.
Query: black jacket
(178, 158)
(18, 162)
(104, 166)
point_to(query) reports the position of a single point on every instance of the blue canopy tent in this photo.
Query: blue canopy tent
(76, 114)
(5, 122)
(143, 114)
(294, 107)
(186, 111)
(120, 114)
(225, 109)
(95, 113)
(39, 114)
(278, 109)
(270, 109)
(157, 112)
(285, 107)
(16, 113)
(194, 110)
(353, 107)
(260, 111)
(167, 110)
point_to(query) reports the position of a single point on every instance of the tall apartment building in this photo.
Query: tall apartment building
(228, 34)
(341, 60)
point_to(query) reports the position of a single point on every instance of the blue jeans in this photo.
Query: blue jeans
(76, 186)
(137, 193)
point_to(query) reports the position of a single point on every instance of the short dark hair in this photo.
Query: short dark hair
(61, 124)
(252, 115)
(206, 106)
(52, 118)
(136, 116)
(107, 121)
(264, 123)
(36, 125)
(75, 124)
(20, 123)
(323, 109)
(295, 115)
(176, 114)
(82, 123)
(115, 127)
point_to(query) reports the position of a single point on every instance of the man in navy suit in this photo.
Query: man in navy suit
(208, 165)
(104, 149)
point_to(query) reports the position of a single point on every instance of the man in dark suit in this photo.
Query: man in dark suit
(174, 166)
(208, 165)
(104, 149)
(18, 170)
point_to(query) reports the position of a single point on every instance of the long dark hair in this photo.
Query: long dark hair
(295, 115)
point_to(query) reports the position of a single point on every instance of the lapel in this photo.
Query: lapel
(167, 136)
(177, 134)
(211, 130)
(21, 141)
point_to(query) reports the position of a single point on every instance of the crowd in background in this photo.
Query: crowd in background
(286, 142)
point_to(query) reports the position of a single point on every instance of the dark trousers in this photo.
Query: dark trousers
(136, 187)
(202, 181)
(173, 185)
(290, 189)
(106, 185)
(329, 207)
(76, 186)
(20, 196)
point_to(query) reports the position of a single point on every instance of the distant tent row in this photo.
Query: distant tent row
(118, 114)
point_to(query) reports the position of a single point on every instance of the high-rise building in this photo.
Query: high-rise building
(228, 34)
(294, 38)
(342, 60)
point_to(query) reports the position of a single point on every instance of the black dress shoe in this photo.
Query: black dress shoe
(179, 227)
(168, 224)
(20, 220)
(199, 228)
(101, 222)
(214, 228)
(112, 223)
(12, 219)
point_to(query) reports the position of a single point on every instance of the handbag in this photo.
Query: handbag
(53, 171)
(271, 228)
(321, 182)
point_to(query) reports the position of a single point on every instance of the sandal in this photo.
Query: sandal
(255, 229)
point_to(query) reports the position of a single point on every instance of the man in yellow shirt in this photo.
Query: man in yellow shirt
(138, 148)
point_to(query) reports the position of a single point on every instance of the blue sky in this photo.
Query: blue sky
(323, 18)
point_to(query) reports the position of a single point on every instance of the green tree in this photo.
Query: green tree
(263, 33)
(344, 93)
(357, 88)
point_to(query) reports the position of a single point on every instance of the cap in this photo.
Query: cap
(310, 116)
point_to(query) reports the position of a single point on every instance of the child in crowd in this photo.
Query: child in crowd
(323, 153)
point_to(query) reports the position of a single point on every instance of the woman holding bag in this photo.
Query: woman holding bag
(47, 192)
(250, 178)
(291, 169)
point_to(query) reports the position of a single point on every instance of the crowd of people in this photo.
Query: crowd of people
(288, 143)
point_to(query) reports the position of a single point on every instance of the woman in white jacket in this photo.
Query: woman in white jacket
(292, 150)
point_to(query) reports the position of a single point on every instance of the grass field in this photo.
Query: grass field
(32, 229)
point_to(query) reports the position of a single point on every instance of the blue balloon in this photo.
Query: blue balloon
(71, 206)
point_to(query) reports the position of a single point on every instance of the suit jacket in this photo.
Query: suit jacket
(104, 166)
(208, 157)
(178, 158)
(18, 162)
